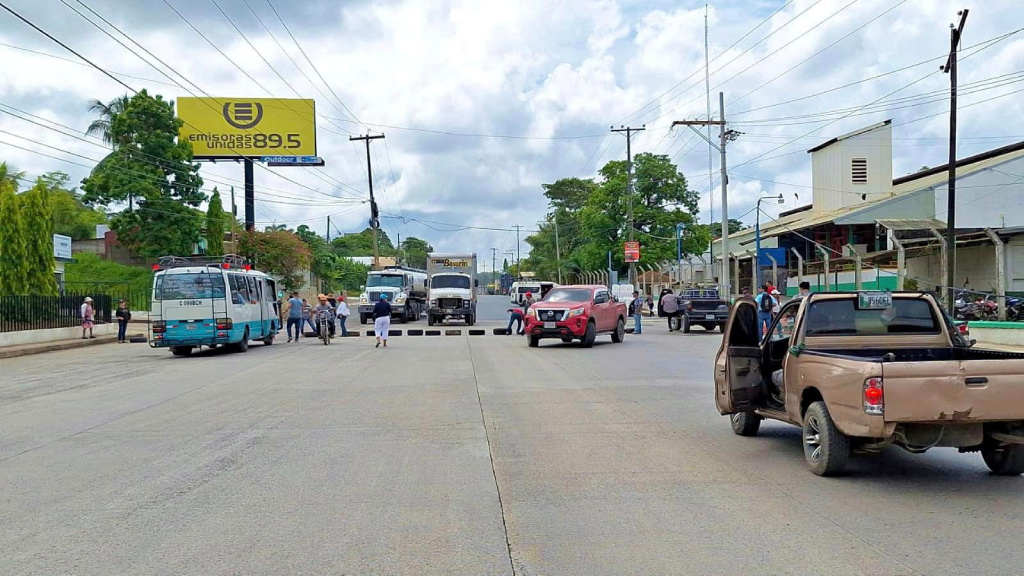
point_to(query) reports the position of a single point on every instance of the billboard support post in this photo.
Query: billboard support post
(250, 197)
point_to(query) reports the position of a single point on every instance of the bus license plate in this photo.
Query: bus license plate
(709, 316)
(549, 326)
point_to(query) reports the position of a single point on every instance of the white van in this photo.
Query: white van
(517, 293)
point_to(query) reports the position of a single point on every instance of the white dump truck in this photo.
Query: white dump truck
(453, 284)
(405, 288)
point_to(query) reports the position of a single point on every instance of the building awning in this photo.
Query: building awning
(896, 224)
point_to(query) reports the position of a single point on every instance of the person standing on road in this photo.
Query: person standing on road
(636, 311)
(515, 315)
(343, 314)
(765, 304)
(307, 316)
(124, 316)
(88, 314)
(670, 305)
(294, 308)
(382, 320)
(332, 300)
(527, 302)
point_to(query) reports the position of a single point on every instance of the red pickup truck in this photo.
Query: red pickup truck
(576, 313)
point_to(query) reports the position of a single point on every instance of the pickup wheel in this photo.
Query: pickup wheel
(745, 423)
(686, 324)
(590, 335)
(533, 341)
(620, 331)
(826, 448)
(1003, 459)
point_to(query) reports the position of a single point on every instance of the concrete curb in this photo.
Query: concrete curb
(42, 347)
(433, 332)
(477, 332)
(453, 332)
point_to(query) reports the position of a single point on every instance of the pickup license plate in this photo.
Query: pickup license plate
(874, 300)
(190, 326)
(709, 316)
(550, 325)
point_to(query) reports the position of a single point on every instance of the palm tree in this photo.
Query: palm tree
(107, 112)
(11, 175)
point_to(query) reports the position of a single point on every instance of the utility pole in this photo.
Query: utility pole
(629, 185)
(519, 260)
(374, 215)
(558, 251)
(724, 137)
(234, 221)
(950, 68)
(494, 268)
(328, 228)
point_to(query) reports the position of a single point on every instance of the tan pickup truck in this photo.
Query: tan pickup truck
(859, 371)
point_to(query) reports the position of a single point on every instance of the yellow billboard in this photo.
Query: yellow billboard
(233, 127)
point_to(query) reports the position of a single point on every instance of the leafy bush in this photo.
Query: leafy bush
(109, 278)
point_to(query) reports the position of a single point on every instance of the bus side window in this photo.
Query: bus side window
(236, 289)
(259, 289)
(251, 291)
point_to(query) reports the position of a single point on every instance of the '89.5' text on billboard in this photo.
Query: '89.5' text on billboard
(233, 127)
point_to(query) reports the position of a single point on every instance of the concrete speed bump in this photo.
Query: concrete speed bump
(414, 332)
(369, 333)
(394, 332)
(477, 332)
(500, 331)
(352, 333)
(433, 332)
(453, 332)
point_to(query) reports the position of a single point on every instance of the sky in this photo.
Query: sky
(524, 93)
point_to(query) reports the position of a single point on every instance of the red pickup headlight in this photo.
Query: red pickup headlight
(576, 312)
(874, 396)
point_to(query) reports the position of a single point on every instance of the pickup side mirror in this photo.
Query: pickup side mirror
(616, 298)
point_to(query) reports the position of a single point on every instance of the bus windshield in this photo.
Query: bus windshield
(386, 280)
(189, 286)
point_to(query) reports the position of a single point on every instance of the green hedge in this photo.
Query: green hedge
(118, 280)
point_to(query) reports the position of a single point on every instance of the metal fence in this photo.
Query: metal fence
(41, 312)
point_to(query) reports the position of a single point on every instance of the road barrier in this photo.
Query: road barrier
(453, 332)
(414, 332)
(477, 332)
(433, 332)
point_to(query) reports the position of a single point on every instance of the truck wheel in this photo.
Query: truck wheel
(745, 423)
(620, 331)
(362, 318)
(590, 335)
(686, 324)
(430, 319)
(1003, 459)
(268, 340)
(402, 319)
(533, 341)
(181, 350)
(825, 447)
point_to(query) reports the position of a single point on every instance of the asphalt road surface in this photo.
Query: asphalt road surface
(454, 455)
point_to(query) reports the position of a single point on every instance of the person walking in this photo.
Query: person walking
(343, 314)
(88, 315)
(294, 311)
(124, 316)
(382, 320)
(636, 311)
(765, 304)
(307, 316)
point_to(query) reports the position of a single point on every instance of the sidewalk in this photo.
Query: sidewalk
(41, 347)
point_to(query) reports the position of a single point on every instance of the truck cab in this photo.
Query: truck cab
(404, 288)
(453, 286)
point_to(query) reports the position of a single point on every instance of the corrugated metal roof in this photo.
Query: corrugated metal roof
(912, 224)
(850, 135)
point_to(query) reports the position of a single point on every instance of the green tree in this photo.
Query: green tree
(215, 220)
(13, 255)
(280, 253)
(348, 275)
(70, 216)
(361, 244)
(734, 226)
(414, 252)
(153, 171)
(37, 228)
(11, 176)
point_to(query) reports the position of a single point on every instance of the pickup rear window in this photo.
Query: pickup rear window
(841, 317)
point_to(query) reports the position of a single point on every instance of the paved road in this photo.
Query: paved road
(493, 308)
(454, 455)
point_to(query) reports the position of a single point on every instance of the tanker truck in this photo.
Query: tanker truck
(453, 284)
(405, 288)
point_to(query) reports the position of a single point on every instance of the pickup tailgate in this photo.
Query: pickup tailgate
(954, 390)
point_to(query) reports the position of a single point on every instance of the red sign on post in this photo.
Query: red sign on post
(632, 252)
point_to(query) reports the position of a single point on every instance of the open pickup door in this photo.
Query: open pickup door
(739, 384)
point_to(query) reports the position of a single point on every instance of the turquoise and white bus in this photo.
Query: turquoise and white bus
(211, 302)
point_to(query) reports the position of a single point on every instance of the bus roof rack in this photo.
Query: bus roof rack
(225, 261)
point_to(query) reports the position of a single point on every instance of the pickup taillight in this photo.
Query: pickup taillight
(874, 396)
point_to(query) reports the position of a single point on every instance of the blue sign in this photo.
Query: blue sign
(292, 160)
(778, 253)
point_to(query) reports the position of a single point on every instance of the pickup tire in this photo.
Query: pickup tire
(533, 341)
(686, 324)
(589, 336)
(620, 331)
(826, 449)
(745, 423)
(1003, 459)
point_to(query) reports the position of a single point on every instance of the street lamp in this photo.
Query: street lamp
(757, 236)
